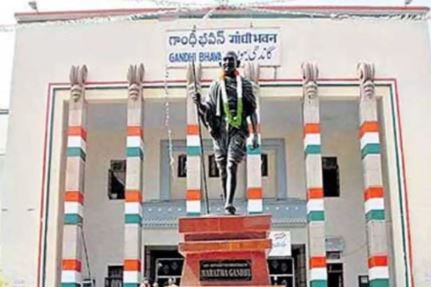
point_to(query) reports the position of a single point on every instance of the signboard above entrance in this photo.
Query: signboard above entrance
(281, 244)
(207, 46)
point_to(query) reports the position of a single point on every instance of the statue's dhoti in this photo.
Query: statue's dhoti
(230, 147)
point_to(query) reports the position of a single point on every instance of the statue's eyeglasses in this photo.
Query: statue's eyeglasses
(225, 59)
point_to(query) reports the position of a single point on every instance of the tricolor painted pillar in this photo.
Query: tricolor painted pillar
(254, 161)
(313, 164)
(378, 271)
(71, 264)
(193, 148)
(134, 171)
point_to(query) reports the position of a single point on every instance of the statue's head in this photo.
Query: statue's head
(229, 63)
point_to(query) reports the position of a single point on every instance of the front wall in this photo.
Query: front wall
(53, 50)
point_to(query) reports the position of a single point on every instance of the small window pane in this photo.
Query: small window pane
(264, 164)
(331, 181)
(335, 274)
(333, 255)
(280, 266)
(116, 179)
(115, 276)
(115, 271)
(182, 165)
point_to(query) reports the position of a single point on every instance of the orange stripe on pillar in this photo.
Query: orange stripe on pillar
(192, 129)
(317, 262)
(71, 264)
(311, 128)
(74, 196)
(315, 193)
(254, 193)
(135, 131)
(132, 265)
(368, 127)
(373, 192)
(133, 196)
(77, 131)
(375, 261)
(193, 194)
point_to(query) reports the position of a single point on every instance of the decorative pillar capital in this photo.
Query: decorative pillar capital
(310, 73)
(135, 77)
(366, 73)
(77, 77)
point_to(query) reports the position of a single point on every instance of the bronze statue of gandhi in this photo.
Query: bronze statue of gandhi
(225, 109)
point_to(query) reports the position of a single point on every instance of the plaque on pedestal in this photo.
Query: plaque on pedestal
(225, 250)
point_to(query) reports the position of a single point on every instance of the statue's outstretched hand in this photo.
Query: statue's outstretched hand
(255, 141)
(197, 98)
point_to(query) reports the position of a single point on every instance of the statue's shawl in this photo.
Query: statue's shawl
(214, 117)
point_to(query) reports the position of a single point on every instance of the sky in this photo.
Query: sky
(9, 7)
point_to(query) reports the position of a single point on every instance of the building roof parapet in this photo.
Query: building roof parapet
(230, 12)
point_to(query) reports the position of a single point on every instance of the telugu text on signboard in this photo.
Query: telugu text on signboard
(208, 46)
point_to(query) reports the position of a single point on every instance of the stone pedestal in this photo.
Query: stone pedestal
(225, 250)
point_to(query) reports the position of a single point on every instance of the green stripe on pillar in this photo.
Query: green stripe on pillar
(193, 150)
(76, 151)
(134, 152)
(70, 285)
(255, 212)
(72, 219)
(316, 216)
(370, 149)
(193, 213)
(319, 283)
(130, 284)
(132, 218)
(379, 283)
(375, 215)
(312, 149)
(251, 150)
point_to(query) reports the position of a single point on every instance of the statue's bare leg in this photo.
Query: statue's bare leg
(223, 174)
(231, 186)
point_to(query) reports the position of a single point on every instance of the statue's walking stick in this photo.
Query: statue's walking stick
(204, 177)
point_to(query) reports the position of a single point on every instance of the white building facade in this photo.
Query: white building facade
(95, 175)
(4, 115)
